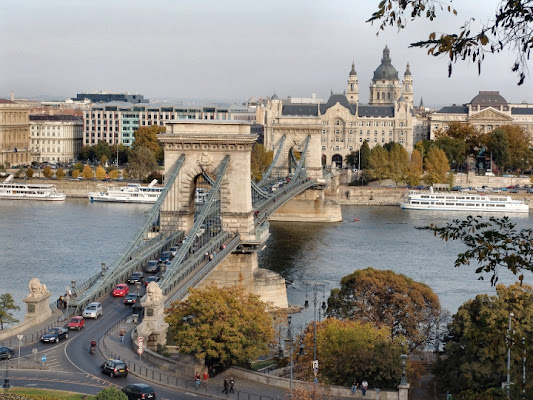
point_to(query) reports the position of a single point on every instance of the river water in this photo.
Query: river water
(60, 242)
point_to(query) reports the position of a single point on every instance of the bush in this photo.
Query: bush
(111, 394)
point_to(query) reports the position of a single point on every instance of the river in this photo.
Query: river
(60, 242)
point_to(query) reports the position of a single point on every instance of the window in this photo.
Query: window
(375, 140)
(323, 131)
(368, 132)
(323, 148)
(375, 133)
(337, 123)
(350, 148)
(351, 132)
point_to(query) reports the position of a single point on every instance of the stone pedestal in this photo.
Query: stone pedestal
(310, 206)
(153, 327)
(37, 302)
(403, 392)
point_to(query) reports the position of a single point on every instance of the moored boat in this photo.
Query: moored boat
(132, 193)
(11, 190)
(463, 202)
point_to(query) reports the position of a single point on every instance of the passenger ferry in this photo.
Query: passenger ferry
(11, 190)
(463, 202)
(133, 193)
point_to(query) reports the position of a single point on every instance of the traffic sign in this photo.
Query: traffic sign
(140, 350)
(315, 364)
(43, 359)
(140, 339)
(19, 337)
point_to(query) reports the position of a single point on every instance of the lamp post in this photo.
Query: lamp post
(403, 357)
(70, 291)
(6, 384)
(524, 369)
(19, 337)
(289, 337)
(315, 288)
(104, 267)
(509, 342)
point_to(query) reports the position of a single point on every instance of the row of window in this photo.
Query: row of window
(338, 122)
(350, 148)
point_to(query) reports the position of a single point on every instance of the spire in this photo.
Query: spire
(352, 72)
(386, 55)
(421, 102)
(407, 70)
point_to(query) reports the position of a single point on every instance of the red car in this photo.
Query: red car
(121, 290)
(76, 322)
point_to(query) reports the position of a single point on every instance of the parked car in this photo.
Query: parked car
(514, 190)
(121, 290)
(131, 298)
(6, 353)
(152, 267)
(496, 190)
(530, 190)
(456, 188)
(139, 391)
(55, 335)
(76, 322)
(153, 278)
(135, 277)
(93, 310)
(114, 368)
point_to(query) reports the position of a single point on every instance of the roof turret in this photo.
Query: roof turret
(385, 71)
(352, 72)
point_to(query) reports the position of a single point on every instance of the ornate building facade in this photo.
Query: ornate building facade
(343, 122)
(14, 134)
(56, 138)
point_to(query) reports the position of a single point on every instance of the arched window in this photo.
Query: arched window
(388, 95)
(383, 95)
(378, 95)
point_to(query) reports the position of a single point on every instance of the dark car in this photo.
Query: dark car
(153, 278)
(131, 298)
(6, 353)
(139, 391)
(152, 267)
(136, 277)
(165, 256)
(114, 368)
(55, 335)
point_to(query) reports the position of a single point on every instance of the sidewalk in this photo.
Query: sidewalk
(112, 346)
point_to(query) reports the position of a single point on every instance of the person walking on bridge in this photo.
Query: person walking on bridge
(121, 334)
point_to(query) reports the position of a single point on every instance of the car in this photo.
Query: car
(165, 256)
(131, 298)
(489, 173)
(55, 335)
(530, 190)
(496, 190)
(174, 250)
(93, 310)
(139, 391)
(76, 322)
(114, 368)
(456, 188)
(135, 277)
(514, 190)
(152, 267)
(153, 278)
(121, 290)
(6, 353)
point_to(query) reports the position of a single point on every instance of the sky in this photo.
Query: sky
(230, 50)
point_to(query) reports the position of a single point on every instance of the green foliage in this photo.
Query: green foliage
(146, 136)
(100, 173)
(225, 326)
(60, 173)
(162, 350)
(7, 304)
(87, 153)
(398, 162)
(102, 151)
(260, 161)
(475, 349)
(493, 244)
(29, 173)
(520, 153)
(365, 155)
(347, 348)
(499, 147)
(111, 393)
(455, 149)
(78, 166)
(47, 172)
(437, 166)
(87, 172)
(378, 167)
(141, 162)
(405, 307)
(508, 29)
(154, 175)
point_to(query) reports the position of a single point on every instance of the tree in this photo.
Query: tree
(386, 299)
(113, 174)
(493, 244)
(315, 392)
(455, 149)
(225, 325)
(414, 171)
(141, 162)
(346, 347)
(499, 147)
(378, 167)
(365, 155)
(7, 304)
(87, 153)
(423, 147)
(100, 173)
(75, 173)
(146, 136)
(509, 28)
(475, 346)
(437, 166)
(104, 159)
(60, 173)
(29, 173)
(87, 172)
(398, 163)
(47, 172)
(464, 132)
(260, 161)
(520, 153)
(111, 393)
(102, 149)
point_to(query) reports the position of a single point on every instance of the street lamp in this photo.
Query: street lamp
(509, 342)
(103, 268)
(315, 288)
(403, 357)
(6, 384)
(19, 337)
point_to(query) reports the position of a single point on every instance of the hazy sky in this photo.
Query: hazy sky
(229, 49)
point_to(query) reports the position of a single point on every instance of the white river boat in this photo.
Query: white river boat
(132, 193)
(11, 190)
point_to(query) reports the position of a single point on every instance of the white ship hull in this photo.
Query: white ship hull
(10, 190)
(133, 193)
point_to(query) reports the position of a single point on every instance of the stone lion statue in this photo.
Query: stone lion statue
(37, 289)
(154, 294)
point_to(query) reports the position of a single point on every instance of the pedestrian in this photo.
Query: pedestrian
(206, 255)
(231, 384)
(364, 386)
(64, 304)
(354, 387)
(211, 372)
(197, 380)
(122, 333)
(226, 386)
(206, 377)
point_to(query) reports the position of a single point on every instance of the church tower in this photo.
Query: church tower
(353, 86)
(408, 85)
(385, 87)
